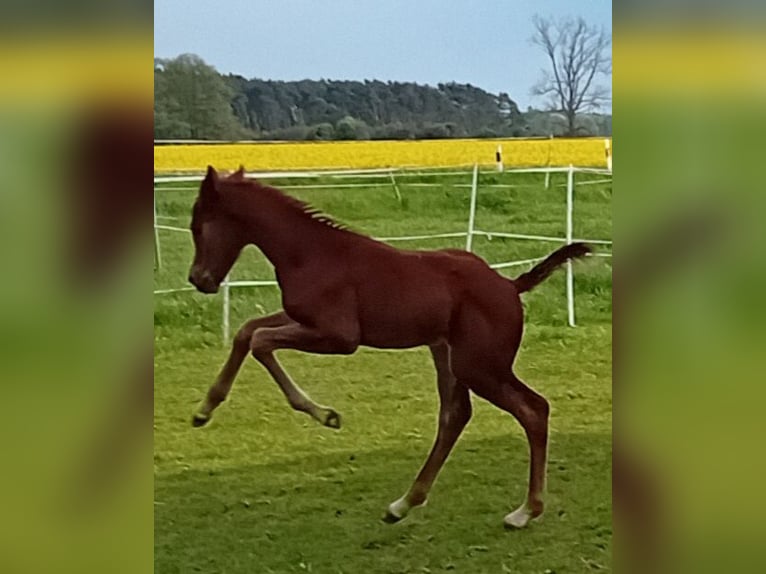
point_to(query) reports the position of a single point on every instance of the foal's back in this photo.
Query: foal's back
(409, 298)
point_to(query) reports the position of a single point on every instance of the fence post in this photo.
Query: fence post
(570, 271)
(472, 213)
(499, 158)
(396, 187)
(157, 254)
(608, 153)
(226, 311)
(548, 165)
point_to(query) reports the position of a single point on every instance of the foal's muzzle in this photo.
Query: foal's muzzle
(203, 281)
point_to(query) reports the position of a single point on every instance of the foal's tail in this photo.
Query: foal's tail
(540, 272)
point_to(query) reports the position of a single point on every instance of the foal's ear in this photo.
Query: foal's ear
(209, 188)
(238, 175)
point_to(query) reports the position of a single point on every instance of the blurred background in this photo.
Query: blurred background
(75, 310)
(688, 330)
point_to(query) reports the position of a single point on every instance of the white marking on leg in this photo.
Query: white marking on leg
(519, 517)
(204, 410)
(399, 508)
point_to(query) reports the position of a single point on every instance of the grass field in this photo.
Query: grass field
(266, 489)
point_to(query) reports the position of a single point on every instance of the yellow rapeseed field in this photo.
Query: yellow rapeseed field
(378, 154)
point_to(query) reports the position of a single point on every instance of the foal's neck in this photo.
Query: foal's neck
(276, 224)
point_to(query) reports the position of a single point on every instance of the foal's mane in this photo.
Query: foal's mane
(312, 212)
(300, 208)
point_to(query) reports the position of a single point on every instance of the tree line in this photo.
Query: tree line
(193, 101)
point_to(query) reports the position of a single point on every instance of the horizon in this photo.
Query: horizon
(382, 52)
(533, 108)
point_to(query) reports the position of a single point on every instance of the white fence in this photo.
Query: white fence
(391, 175)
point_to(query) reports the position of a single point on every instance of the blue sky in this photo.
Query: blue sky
(485, 43)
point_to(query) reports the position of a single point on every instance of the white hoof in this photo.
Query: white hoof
(519, 518)
(397, 510)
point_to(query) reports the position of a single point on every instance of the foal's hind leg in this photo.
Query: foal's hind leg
(239, 349)
(503, 389)
(454, 414)
(531, 410)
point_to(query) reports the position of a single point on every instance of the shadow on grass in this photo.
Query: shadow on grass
(322, 513)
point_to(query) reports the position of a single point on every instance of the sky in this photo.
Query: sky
(484, 43)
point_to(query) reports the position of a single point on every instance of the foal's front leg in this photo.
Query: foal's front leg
(296, 336)
(239, 348)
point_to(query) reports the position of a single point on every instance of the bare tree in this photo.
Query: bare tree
(579, 56)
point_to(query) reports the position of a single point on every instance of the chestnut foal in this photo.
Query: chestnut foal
(341, 290)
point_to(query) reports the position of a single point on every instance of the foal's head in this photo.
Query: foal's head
(218, 237)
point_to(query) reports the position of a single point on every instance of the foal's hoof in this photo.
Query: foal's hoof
(391, 518)
(520, 517)
(399, 509)
(200, 420)
(332, 419)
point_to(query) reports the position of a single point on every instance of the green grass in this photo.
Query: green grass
(265, 489)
